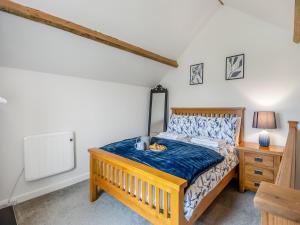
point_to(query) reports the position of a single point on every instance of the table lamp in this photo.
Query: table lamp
(264, 120)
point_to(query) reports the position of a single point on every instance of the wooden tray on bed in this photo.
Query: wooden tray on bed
(117, 175)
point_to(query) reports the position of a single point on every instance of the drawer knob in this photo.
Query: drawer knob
(258, 172)
(258, 159)
(256, 184)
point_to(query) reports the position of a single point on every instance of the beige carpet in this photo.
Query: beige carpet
(70, 206)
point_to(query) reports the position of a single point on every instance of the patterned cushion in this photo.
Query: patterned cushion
(187, 125)
(226, 128)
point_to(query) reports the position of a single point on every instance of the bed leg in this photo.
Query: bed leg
(93, 186)
(93, 192)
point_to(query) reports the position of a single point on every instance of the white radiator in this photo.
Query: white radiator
(48, 154)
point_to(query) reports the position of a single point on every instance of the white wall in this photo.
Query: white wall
(98, 112)
(272, 71)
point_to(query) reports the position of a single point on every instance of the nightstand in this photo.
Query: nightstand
(257, 164)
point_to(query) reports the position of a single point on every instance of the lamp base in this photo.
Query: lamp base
(264, 139)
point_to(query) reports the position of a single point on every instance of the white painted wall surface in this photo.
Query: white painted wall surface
(272, 71)
(98, 112)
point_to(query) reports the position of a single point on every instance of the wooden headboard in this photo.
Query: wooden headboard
(214, 112)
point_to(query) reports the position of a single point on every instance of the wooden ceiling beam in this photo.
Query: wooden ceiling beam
(221, 2)
(297, 22)
(45, 18)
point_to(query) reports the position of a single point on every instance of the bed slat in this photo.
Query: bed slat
(150, 196)
(165, 204)
(157, 200)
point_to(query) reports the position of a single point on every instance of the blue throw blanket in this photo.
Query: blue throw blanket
(180, 159)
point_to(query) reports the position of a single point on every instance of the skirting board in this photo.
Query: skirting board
(45, 190)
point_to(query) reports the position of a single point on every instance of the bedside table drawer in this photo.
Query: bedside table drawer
(260, 173)
(257, 164)
(259, 159)
(252, 184)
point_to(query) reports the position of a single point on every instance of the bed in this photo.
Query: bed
(156, 194)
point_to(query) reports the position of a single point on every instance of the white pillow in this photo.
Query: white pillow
(210, 142)
(173, 136)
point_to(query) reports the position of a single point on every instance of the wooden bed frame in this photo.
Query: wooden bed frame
(117, 175)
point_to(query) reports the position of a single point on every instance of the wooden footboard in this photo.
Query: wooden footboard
(155, 195)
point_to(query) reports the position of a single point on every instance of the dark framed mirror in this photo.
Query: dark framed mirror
(158, 114)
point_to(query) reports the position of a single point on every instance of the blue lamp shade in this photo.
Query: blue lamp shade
(264, 120)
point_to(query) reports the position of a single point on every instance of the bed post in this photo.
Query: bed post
(177, 215)
(93, 186)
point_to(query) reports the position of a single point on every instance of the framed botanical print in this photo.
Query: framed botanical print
(235, 67)
(196, 74)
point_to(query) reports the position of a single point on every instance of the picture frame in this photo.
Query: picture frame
(196, 74)
(235, 67)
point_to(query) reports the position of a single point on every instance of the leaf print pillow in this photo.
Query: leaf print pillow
(226, 128)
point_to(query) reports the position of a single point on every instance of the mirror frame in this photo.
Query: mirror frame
(158, 90)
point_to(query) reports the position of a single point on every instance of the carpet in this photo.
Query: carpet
(70, 206)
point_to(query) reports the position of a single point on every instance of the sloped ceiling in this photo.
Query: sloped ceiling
(277, 12)
(163, 26)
